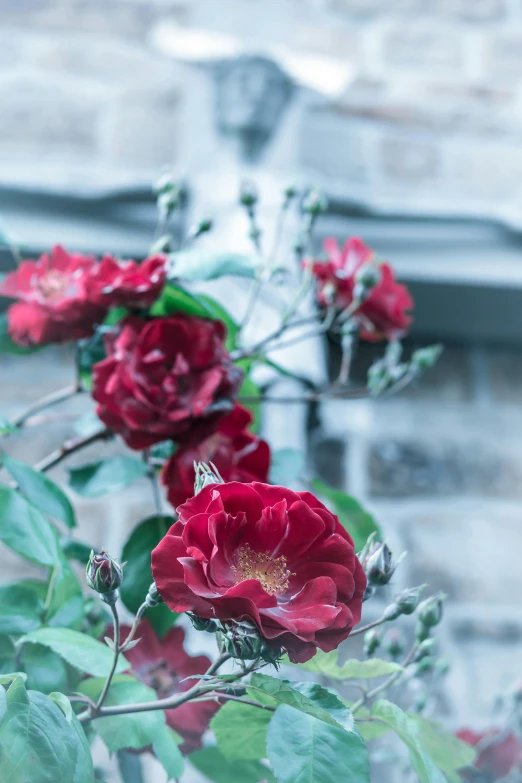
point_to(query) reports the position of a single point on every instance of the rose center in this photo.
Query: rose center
(270, 572)
(52, 284)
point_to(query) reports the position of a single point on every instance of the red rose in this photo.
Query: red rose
(54, 305)
(498, 753)
(265, 554)
(384, 312)
(162, 664)
(167, 378)
(237, 454)
(127, 283)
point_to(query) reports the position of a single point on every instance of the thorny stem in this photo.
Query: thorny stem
(68, 448)
(46, 402)
(108, 681)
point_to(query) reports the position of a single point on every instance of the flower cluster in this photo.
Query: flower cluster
(277, 558)
(352, 280)
(62, 296)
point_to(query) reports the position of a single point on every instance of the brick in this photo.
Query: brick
(412, 468)
(468, 550)
(472, 10)
(404, 159)
(421, 46)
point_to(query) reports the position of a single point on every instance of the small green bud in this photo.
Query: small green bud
(205, 475)
(202, 624)
(393, 643)
(164, 184)
(315, 202)
(425, 358)
(430, 610)
(366, 278)
(204, 226)
(425, 648)
(378, 564)
(290, 192)
(248, 194)
(422, 632)
(425, 665)
(442, 666)
(153, 597)
(372, 641)
(404, 602)
(104, 575)
(243, 641)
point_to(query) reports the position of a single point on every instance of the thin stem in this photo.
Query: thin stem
(243, 354)
(151, 473)
(68, 448)
(108, 681)
(50, 589)
(365, 628)
(388, 683)
(47, 402)
(139, 614)
(347, 344)
(218, 663)
(231, 697)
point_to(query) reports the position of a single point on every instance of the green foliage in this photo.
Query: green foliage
(240, 731)
(310, 698)
(25, 530)
(326, 664)
(250, 389)
(21, 609)
(134, 730)
(46, 671)
(195, 265)
(286, 466)
(218, 313)
(166, 750)
(303, 749)
(65, 603)
(211, 763)
(81, 651)
(358, 522)
(138, 574)
(407, 729)
(174, 299)
(91, 352)
(108, 475)
(41, 491)
(447, 751)
(38, 743)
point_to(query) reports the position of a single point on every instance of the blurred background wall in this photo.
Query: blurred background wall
(409, 114)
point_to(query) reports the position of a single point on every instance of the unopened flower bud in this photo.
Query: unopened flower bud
(367, 277)
(290, 192)
(393, 643)
(204, 226)
(425, 665)
(425, 648)
(202, 624)
(442, 666)
(164, 184)
(104, 574)
(243, 641)
(378, 564)
(315, 202)
(404, 602)
(430, 610)
(422, 632)
(153, 597)
(248, 194)
(372, 641)
(205, 475)
(424, 358)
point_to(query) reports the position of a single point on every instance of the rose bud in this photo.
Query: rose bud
(372, 640)
(248, 194)
(378, 564)
(242, 641)
(430, 610)
(315, 202)
(366, 278)
(425, 665)
(104, 575)
(202, 624)
(393, 643)
(290, 192)
(405, 602)
(153, 597)
(205, 475)
(425, 648)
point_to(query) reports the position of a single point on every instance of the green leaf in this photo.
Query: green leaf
(108, 475)
(6, 428)
(211, 763)
(63, 703)
(81, 651)
(302, 749)
(46, 671)
(7, 656)
(391, 715)
(167, 752)
(240, 731)
(25, 530)
(38, 743)
(326, 664)
(41, 491)
(358, 522)
(92, 351)
(195, 265)
(314, 700)
(250, 389)
(218, 313)
(21, 609)
(286, 466)
(135, 730)
(174, 299)
(66, 607)
(138, 574)
(447, 751)
(87, 424)
(6, 344)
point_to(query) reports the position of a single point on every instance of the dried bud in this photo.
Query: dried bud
(393, 643)
(430, 610)
(202, 624)
(248, 194)
(372, 640)
(378, 564)
(404, 602)
(315, 202)
(205, 475)
(104, 574)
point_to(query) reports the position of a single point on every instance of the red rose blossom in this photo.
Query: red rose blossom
(162, 664)
(53, 306)
(237, 454)
(384, 312)
(166, 378)
(498, 753)
(126, 283)
(262, 553)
